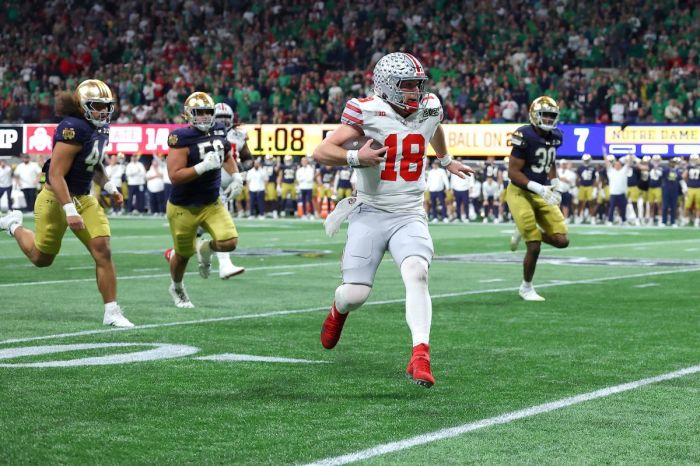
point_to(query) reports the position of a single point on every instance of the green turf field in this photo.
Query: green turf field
(622, 305)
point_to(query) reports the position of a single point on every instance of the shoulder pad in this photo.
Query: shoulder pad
(352, 113)
(517, 139)
(73, 130)
(179, 137)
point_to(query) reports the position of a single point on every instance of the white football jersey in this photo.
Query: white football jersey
(398, 183)
(237, 137)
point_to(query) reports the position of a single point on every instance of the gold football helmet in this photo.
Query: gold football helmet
(586, 158)
(655, 159)
(199, 111)
(544, 113)
(95, 98)
(693, 160)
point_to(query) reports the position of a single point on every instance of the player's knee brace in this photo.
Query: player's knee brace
(350, 296)
(414, 271)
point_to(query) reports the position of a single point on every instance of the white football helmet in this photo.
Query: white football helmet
(389, 74)
(224, 114)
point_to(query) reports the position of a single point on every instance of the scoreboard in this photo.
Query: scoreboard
(475, 140)
(466, 140)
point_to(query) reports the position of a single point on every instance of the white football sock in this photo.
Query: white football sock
(109, 307)
(419, 307)
(12, 229)
(176, 285)
(526, 285)
(224, 258)
(350, 296)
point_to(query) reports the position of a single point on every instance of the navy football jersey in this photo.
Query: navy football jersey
(271, 170)
(693, 177)
(671, 179)
(204, 189)
(586, 175)
(344, 175)
(538, 152)
(289, 173)
(655, 177)
(603, 175)
(643, 179)
(93, 140)
(633, 177)
(327, 175)
(490, 171)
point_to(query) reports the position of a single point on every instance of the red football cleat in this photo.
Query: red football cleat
(167, 254)
(419, 366)
(332, 327)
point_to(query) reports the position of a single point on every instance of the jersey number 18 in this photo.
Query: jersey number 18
(412, 152)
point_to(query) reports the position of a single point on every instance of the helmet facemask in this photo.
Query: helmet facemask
(96, 101)
(201, 118)
(544, 113)
(97, 112)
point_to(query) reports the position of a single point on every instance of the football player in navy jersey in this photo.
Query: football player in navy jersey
(586, 177)
(65, 202)
(286, 179)
(691, 176)
(197, 154)
(532, 195)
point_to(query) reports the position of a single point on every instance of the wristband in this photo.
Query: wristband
(110, 188)
(353, 159)
(200, 168)
(535, 187)
(445, 160)
(70, 210)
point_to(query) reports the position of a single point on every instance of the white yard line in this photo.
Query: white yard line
(646, 285)
(127, 277)
(160, 275)
(325, 308)
(506, 418)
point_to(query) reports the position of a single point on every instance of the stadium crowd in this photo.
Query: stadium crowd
(279, 61)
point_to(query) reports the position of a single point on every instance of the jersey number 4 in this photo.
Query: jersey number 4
(94, 157)
(412, 152)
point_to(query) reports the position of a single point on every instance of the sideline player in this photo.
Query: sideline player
(77, 156)
(197, 154)
(532, 199)
(388, 211)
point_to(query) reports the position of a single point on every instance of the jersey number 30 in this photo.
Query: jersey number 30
(545, 158)
(412, 151)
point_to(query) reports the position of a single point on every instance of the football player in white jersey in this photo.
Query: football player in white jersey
(387, 213)
(224, 114)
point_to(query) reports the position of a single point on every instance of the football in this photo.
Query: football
(358, 142)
